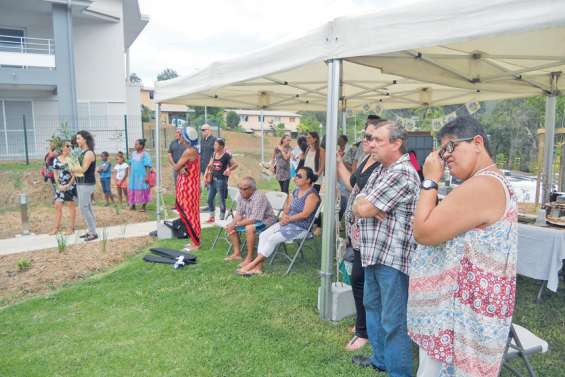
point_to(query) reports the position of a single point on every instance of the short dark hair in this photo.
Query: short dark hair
(309, 174)
(88, 137)
(463, 128)
(373, 120)
(106, 154)
(120, 154)
(343, 137)
(221, 142)
(141, 142)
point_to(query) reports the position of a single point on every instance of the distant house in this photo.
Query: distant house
(249, 119)
(67, 62)
(168, 112)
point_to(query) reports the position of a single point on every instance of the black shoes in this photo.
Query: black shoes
(91, 237)
(84, 235)
(365, 362)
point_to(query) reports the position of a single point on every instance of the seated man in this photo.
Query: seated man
(299, 212)
(254, 212)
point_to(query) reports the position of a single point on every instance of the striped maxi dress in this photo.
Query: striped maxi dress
(188, 199)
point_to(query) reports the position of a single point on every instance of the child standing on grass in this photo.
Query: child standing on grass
(105, 171)
(121, 176)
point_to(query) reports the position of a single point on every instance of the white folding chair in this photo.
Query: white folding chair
(521, 344)
(277, 200)
(299, 242)
(233, 194)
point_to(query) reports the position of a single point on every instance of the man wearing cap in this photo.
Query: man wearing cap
(176, 150)
(206, 147)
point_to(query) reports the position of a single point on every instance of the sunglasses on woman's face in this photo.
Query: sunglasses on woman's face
(450, 146)
(299, 176)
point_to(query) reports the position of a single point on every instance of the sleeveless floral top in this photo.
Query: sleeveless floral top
(461, 295)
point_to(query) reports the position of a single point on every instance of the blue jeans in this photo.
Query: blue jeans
(385, 298)
(220, 186)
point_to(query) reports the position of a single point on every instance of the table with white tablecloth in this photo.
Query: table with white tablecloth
(541, 251)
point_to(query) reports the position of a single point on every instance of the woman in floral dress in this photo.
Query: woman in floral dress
(463, 273)
(66, 191)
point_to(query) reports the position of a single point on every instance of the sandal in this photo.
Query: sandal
(91, 237)
(211, 220)
(70, 231)
(356, 343)
(54, 231)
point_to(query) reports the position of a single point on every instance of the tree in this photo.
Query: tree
(308, 123)
(145, 114)
(134, 78)
(167, 74)
(280, 129)
(232, 119)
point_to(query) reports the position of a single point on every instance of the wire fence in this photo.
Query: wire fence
(27, 137)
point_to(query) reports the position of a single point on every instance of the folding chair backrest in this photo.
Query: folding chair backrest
(233, 193)
(277, 200)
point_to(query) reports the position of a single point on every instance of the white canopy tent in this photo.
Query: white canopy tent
(431, 53)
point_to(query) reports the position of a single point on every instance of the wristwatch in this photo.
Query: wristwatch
(428, 184)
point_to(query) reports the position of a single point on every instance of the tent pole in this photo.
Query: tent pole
(549, 139)
(261, 119)
(158, 162)
(329, 199)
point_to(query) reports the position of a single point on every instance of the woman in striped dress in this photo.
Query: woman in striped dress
(463, 273)
(188, 187)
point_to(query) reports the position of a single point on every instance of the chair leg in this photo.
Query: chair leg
(298, 251)
(216, 239)
(540, 292)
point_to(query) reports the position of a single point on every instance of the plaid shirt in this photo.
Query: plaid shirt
(394, 191)
(257, 207)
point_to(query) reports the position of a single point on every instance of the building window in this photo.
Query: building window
(11, 40)
(291, 119)
(151, 94)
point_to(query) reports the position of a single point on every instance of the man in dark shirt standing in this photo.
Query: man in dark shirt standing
(176, 150)
(206, 148)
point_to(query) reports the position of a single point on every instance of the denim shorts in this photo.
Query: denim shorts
(106, 185)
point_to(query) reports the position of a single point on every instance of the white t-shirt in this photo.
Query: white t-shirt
(121, 170)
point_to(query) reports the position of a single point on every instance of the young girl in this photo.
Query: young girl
(105, 171)
(121, 176)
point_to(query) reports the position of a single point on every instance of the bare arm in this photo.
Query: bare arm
(363, 208)
(309, 207)
(344, 174)
(479, 201)
(286, 153)
(87, 161)
(188, 155)
(322, 164)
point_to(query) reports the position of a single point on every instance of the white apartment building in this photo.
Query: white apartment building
(66, 61)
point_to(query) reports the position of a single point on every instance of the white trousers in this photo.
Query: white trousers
(428, 367)
(269, 239)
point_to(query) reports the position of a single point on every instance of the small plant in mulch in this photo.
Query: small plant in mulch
(23, 264)
(118, 209)
(104, 239)
(61, 242)
(123, 227)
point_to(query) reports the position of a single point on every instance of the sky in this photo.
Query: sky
(188, 35)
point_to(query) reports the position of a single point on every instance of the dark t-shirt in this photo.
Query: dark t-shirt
(219, 165)
(206, 151)
(361, 177)
(177, 149)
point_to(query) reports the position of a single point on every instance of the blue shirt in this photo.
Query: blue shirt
(106, 169)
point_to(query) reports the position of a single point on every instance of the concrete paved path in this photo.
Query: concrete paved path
(34, 242)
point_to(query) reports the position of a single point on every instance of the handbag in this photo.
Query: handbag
(152, 180)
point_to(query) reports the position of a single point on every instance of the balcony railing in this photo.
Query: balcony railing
(27, 45)
(22, 52)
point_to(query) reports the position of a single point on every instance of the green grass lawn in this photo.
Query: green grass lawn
(143, 319)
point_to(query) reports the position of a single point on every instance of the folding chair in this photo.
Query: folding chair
(521, 344)
(233, 194)
(299, 242)
(277, 200)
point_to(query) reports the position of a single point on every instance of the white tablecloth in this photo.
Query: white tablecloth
(541, 251)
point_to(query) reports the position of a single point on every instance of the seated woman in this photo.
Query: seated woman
(298, 213)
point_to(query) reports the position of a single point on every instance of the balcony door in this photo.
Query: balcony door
(11, 40)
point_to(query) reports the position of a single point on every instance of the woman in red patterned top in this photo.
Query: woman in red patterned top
(188, 187)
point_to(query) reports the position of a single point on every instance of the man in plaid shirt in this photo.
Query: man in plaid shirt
(385, 208)
(254, 212)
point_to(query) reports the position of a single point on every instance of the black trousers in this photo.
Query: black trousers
(357, 283)
(284, 185)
